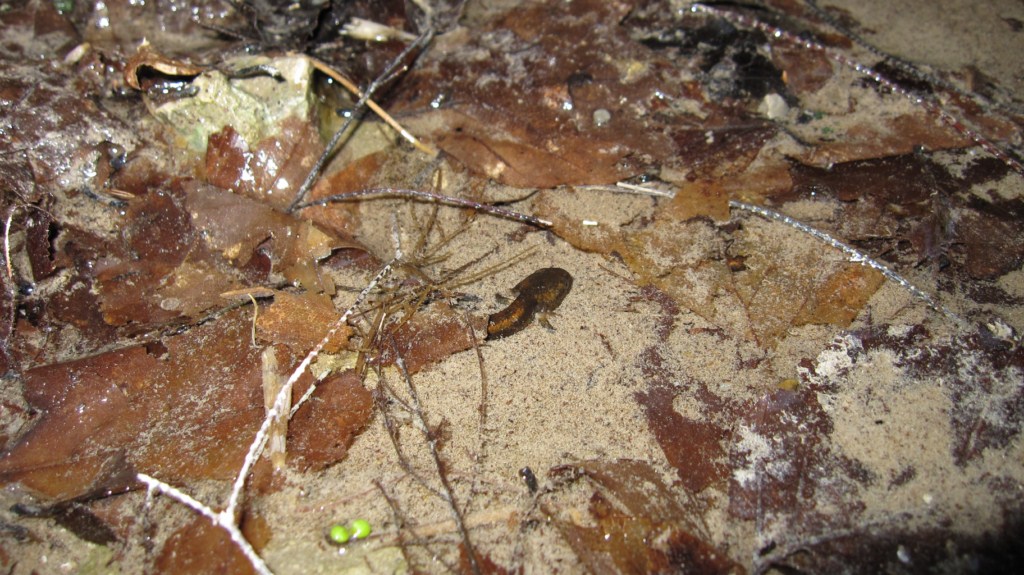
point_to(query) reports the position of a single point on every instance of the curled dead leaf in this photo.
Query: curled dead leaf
(147, 58)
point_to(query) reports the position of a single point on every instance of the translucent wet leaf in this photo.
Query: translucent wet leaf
(529, 123)
(197, 393)
(641, 526)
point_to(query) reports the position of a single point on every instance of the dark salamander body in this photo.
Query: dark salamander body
(541, 292)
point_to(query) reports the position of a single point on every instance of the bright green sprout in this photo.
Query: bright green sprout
(339, 534)
(356, 529)
(360, 528)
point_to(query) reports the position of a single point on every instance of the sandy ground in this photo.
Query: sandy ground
(823, 446)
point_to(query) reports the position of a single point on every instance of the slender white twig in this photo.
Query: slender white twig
(228, 518)
(7, 244)
(218, 519)
(640, 189)
(259, 442)
(854, 255)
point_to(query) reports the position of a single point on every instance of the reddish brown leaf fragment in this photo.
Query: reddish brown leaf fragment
(201, 547)
(321, 432)
(720, 149)
(987, 406)
(706, 198)
(40, 29)
(804, 71)
(300, 321)
(640, 525)
(430, 336)
(696, 449)
(784, 466)
(991, 243)
(343, 217)
(87, 407)
(841, 297)
(484, 564)
(227, 155)
(269, 171)
(200, 398)
(898, 180)
(168, 273)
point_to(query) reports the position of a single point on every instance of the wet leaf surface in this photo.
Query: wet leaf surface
(529, 123)
(201, 547)
(640, 525)
(197, 393)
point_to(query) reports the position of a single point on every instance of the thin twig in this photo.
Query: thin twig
(259, 442)
(364, 99)
(218, 519)
(854, 255)
(381, 193)
(386, 117)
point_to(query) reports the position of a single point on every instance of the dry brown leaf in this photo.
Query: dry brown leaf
(182, 410)
(300, 321)
(147, 58)
(640, 525)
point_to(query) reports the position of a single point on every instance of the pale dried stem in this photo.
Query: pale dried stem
(259, 442)
(218, 519)
(7, 244)
(387, 118)
(278, 440)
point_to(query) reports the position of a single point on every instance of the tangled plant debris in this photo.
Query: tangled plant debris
(257, 268)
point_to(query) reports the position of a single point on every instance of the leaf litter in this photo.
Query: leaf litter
(741, 396)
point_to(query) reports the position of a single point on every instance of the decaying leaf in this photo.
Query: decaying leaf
(641, 525)
(269, 170)
(429, 336)
(527, 106)
(189, 243)
(300, 321)
(237, 228)
(182, 409)
(778, 288)
(697, 449)
(202, 547)
(146, 60)
(323, 429)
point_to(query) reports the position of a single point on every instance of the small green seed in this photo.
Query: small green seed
(339, 534)
(360, 528)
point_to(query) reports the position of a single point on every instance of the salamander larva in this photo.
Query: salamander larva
(539, 293)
